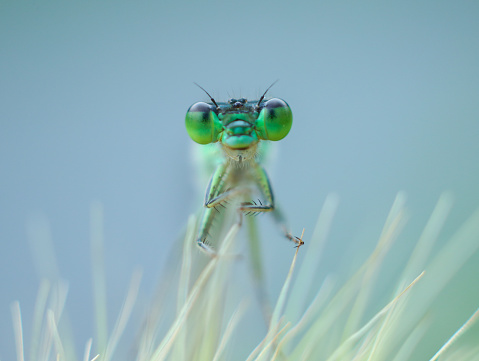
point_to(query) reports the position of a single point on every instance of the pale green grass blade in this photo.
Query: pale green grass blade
(38, 315)
(257, 350)
(123, 316)
(17, 328)
(209, 312)
(185, 272)
(278, 310)
(98, 274)
(270, 344)
(60, 352)
(86, 353)
(360, 353)
(457, 334)
(235, 318)
(467, 353)
(312, 258)
(422, 250)
(378, 337)
(183, 286)
(463, 244)
(397, 208)
(414, 338)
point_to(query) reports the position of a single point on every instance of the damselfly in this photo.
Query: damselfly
(238, 127)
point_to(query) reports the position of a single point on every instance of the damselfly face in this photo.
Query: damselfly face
(238, 125)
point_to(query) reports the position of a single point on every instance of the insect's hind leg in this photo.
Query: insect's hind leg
(266, 190)
(280, 219)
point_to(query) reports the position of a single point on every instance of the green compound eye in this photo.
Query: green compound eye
(202, 123)
(275, 120)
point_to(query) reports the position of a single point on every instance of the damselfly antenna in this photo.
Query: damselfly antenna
(212, 100)
(262, 97)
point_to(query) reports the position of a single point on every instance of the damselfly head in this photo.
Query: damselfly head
(238, 124)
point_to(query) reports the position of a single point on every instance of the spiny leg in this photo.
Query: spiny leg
(212, 200)
(266, 190)
(264, 186)
(216, 195)
(206, 222)
(280, 219)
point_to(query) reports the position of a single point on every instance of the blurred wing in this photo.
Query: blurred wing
(205, 159)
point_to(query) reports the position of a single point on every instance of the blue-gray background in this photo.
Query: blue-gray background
(385, 98)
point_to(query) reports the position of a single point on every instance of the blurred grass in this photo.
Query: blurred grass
(200, 314)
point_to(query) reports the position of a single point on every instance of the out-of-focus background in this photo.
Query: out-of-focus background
(385, 97)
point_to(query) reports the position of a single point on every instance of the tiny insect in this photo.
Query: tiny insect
(238, 127)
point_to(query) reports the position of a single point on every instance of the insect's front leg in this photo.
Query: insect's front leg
(262, 180)
(216, 195)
